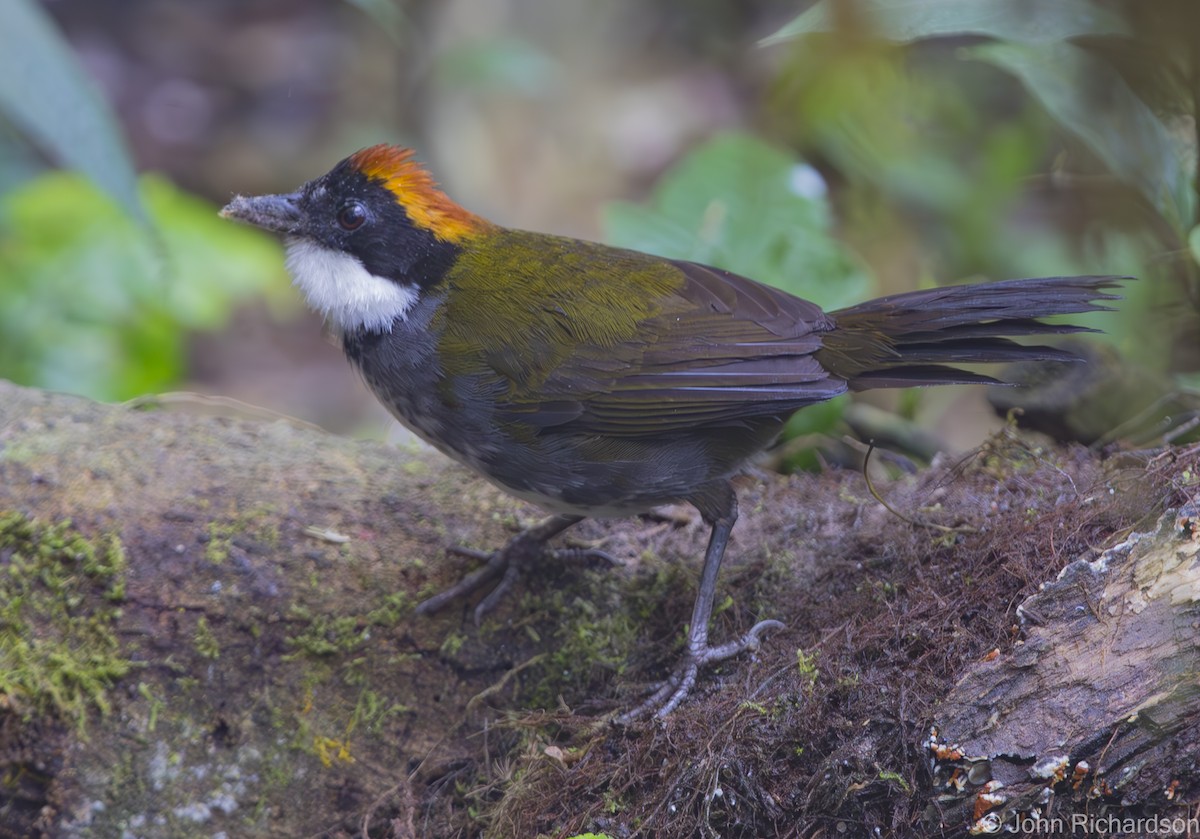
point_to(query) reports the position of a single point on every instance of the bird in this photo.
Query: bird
(596, 381)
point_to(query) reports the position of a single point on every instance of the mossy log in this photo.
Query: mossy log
(207, 629)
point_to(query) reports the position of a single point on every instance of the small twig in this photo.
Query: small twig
(326, 534)
(1178, 431)
(907, 519)
(225, 406)
(496, 687)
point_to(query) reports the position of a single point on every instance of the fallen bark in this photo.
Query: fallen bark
(1100, 700)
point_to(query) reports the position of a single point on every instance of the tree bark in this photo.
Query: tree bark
(1100, 699)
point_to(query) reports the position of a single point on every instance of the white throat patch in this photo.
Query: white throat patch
(339, 287)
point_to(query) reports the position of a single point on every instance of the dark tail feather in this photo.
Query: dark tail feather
(910, 339)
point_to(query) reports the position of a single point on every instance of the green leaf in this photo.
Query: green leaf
(1009, 20)
(742, 205)
(1091, 100)
(92, 303)
(1193, 240)
(45, 92)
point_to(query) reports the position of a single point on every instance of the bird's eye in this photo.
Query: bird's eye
(352, 216)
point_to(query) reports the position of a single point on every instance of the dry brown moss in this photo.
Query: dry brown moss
(821, 734)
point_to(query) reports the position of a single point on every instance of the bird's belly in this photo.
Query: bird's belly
(559, 475)
(571, 474)
(552, 501)
(597, 476)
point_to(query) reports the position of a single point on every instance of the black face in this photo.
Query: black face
(346, 211)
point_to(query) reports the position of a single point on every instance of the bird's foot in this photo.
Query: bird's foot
(675, 689)
(508, 564)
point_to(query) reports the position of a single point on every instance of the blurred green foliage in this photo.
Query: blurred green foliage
(742, 205)
(1011, 139)
(96, 304)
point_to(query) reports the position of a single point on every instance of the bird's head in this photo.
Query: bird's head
(365, 239)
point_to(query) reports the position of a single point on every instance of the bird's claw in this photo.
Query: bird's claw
(508, 563)
(678, 685)
(505, 563)
(497, 563)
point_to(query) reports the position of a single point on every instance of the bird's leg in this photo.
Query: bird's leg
(507, 564)
(719, 508)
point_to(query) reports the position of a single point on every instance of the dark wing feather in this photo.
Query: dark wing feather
(721, 351)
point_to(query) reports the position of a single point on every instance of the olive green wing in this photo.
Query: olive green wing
(715, 350)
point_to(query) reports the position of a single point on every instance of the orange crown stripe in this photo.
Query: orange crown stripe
(415, 189)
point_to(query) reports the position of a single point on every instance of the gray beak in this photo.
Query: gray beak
(277, 213)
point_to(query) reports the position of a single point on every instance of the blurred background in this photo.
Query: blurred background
(840, 150)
